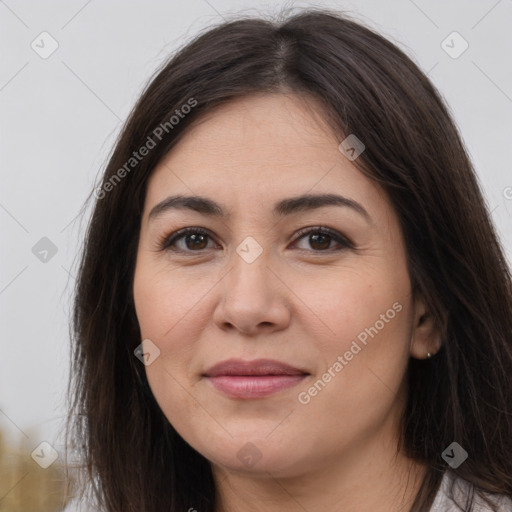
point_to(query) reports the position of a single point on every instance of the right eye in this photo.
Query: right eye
(193, 240)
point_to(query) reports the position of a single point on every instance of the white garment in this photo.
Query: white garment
(461, 489)
(74, 506)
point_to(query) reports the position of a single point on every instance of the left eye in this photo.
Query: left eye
(196, 240)
(321, 238)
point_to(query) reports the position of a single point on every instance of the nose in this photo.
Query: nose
(253, 299)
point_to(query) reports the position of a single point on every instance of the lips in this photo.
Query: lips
(253, 379)
(254, 367)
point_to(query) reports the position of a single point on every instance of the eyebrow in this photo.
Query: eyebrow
(284, 207)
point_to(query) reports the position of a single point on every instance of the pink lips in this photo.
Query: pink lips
(253, 379)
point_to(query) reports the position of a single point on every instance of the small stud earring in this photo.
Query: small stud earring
(429, 355)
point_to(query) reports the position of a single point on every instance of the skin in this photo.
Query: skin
(297, 302)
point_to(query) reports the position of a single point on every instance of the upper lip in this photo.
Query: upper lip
(255, 367)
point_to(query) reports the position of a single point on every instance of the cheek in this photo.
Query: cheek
(364, 352)
(166, 299)
(162, 308)
(352, 302)
(169, 304)
(158, 314)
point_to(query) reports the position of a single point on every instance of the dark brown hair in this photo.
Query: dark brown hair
(134, 459)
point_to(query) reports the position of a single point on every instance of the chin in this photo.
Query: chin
(256, 454)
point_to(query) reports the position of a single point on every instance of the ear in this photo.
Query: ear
(425, 337)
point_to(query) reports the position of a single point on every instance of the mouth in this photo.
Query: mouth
(253, 379)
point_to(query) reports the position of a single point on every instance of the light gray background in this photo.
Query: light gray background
(60, 116)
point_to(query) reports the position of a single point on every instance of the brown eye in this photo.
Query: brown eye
(320, 239)
(196, 241)
(187, 240)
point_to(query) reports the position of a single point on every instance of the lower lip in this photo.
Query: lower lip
(251, 386)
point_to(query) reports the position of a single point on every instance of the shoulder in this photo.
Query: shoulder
(454, 490)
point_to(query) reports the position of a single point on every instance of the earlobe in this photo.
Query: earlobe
(418, 352)
(425, 339)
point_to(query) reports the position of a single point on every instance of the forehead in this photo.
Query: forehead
(260, 126)
(257, 150)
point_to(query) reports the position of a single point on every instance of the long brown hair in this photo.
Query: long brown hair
(134, 459)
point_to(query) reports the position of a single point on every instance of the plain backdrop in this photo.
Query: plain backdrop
(60, 116)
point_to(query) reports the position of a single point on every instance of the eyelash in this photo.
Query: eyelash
(166, 242)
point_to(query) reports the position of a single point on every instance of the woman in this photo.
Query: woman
(291, 295)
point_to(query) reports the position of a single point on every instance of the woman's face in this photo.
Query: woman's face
(320, 286)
